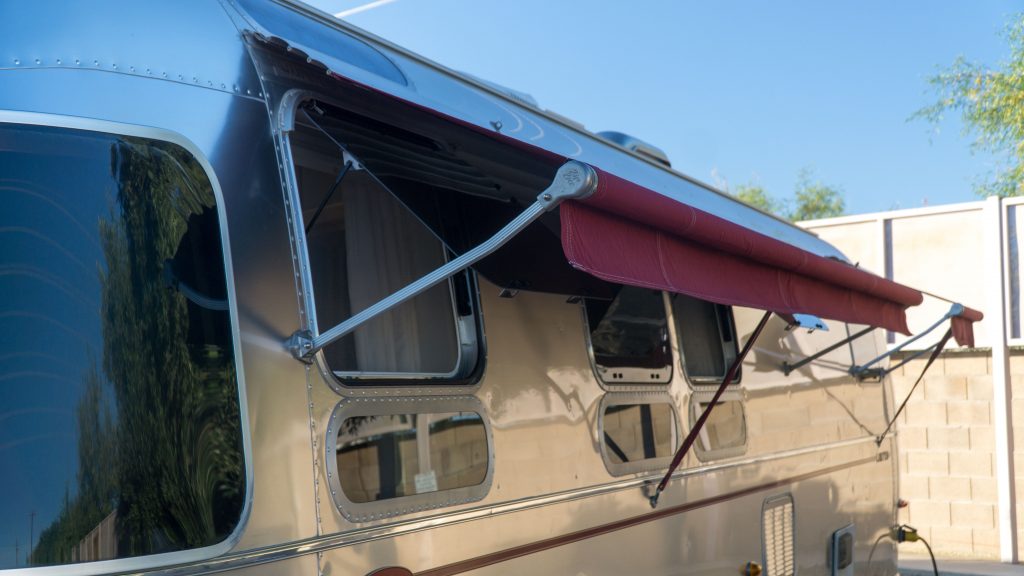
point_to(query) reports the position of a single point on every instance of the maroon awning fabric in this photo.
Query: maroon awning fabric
(963, 326)
(628, 234)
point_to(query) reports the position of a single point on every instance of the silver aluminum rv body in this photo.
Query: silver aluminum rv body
(224, 80)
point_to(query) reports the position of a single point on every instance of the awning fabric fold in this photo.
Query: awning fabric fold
(628, 252)
(628, 234)
(963, 326)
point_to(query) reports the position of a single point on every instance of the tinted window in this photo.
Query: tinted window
(706, 336)
(363, 246)
(636, 432)
(629, 337)
(390, 456)
(725, 431)
(120, 430)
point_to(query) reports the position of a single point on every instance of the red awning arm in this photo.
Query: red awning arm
(699, 424)
(936, 350)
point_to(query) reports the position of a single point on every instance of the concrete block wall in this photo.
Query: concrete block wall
(946, 445)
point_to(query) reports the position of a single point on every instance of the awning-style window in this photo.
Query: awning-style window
(628, 234)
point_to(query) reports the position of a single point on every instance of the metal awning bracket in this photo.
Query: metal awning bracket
(807, 322)
(868, 370)
(787, 367)
(863, 371)
(574, 180)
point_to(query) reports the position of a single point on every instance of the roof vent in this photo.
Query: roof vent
(637, 145)
(520, 97)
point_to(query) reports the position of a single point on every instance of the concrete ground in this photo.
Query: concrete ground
(923, 567)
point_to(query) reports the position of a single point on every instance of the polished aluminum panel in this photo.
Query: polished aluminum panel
(189, 42)
(811, 431)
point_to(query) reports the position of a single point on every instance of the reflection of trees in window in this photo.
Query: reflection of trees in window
(168, 461)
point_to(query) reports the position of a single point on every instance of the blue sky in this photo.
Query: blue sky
(734, 92)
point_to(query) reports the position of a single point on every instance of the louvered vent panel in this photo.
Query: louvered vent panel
(777, 536)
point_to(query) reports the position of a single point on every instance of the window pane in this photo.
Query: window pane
(706, 337)
(634, 432)
(120, 432)
(363, 246)
(630, 332)
(390, 456)
(725, 428)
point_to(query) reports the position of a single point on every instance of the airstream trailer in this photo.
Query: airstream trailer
(279, 297)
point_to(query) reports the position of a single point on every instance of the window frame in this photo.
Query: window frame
(632, 398)
(361, 512)
(470, 332)
(703, 383)
(658, 384)
(190, 555)
(697, 399)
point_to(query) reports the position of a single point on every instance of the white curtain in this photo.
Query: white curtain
(386, 248)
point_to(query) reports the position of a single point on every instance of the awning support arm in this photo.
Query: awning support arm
(699, 424)
(935, 354)
(954, 310)
(910, 358)
(787, 367)
(574, 180)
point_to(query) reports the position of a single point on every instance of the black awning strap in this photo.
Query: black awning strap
(935, 354)
(699, 424)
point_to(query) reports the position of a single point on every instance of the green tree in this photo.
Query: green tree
(814, 199)
(756, 196)
(990, 101)
(811, 199)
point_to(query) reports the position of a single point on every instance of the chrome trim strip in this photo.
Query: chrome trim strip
(372, 533)
(195, 555)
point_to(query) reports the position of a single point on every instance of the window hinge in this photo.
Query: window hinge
(301, 346)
